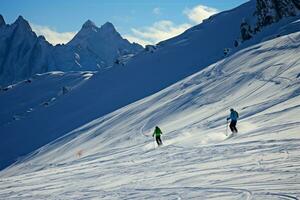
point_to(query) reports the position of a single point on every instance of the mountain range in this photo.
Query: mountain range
(24, 54)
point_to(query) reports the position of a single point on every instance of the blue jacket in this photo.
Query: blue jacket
(233, 116)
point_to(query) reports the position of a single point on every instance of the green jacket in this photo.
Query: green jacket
(157, 132)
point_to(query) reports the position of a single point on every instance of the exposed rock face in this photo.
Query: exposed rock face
(22, 53)
(270, 11)
(266, 12)
(297, 3)
(246, 31)
(2, 22)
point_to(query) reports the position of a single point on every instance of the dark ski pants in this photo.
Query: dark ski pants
(158, 140)
(232, 126)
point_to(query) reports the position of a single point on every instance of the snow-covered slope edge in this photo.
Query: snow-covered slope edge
(113, 158)
(28, 98)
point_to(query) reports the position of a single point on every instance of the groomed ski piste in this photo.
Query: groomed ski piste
(115, 157)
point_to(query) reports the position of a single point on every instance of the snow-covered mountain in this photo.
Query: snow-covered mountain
(104, 42)
(94, 48)
(23, 54)
(113, 157)
(147, 73)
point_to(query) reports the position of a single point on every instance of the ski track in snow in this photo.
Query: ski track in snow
(114, 157)
(212, 172)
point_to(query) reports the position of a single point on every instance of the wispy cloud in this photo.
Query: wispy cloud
(51, 35)
(166, 29)
(156, 11)
(159, 31)
(136, 39)
(199, 13)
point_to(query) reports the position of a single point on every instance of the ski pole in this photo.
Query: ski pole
(227, 127)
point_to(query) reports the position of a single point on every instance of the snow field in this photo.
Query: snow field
(113, 157)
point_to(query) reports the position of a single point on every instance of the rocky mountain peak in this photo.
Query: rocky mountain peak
(21, 22)
(108, 27)
(89, 24)
(2, 22)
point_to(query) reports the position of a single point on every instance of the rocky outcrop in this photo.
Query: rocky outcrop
(268, 12)
(246, 31)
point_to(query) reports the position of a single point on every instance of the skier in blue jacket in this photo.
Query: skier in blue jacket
(233, 120)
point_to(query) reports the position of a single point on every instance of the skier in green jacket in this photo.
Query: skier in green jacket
(157, 133)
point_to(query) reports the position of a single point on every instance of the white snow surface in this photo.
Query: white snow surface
(135, 77)
(114, 156)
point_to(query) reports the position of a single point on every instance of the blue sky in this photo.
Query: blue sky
(143, 21)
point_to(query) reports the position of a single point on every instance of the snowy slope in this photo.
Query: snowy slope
(113, 157)
(145, 74)
(23, 100)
